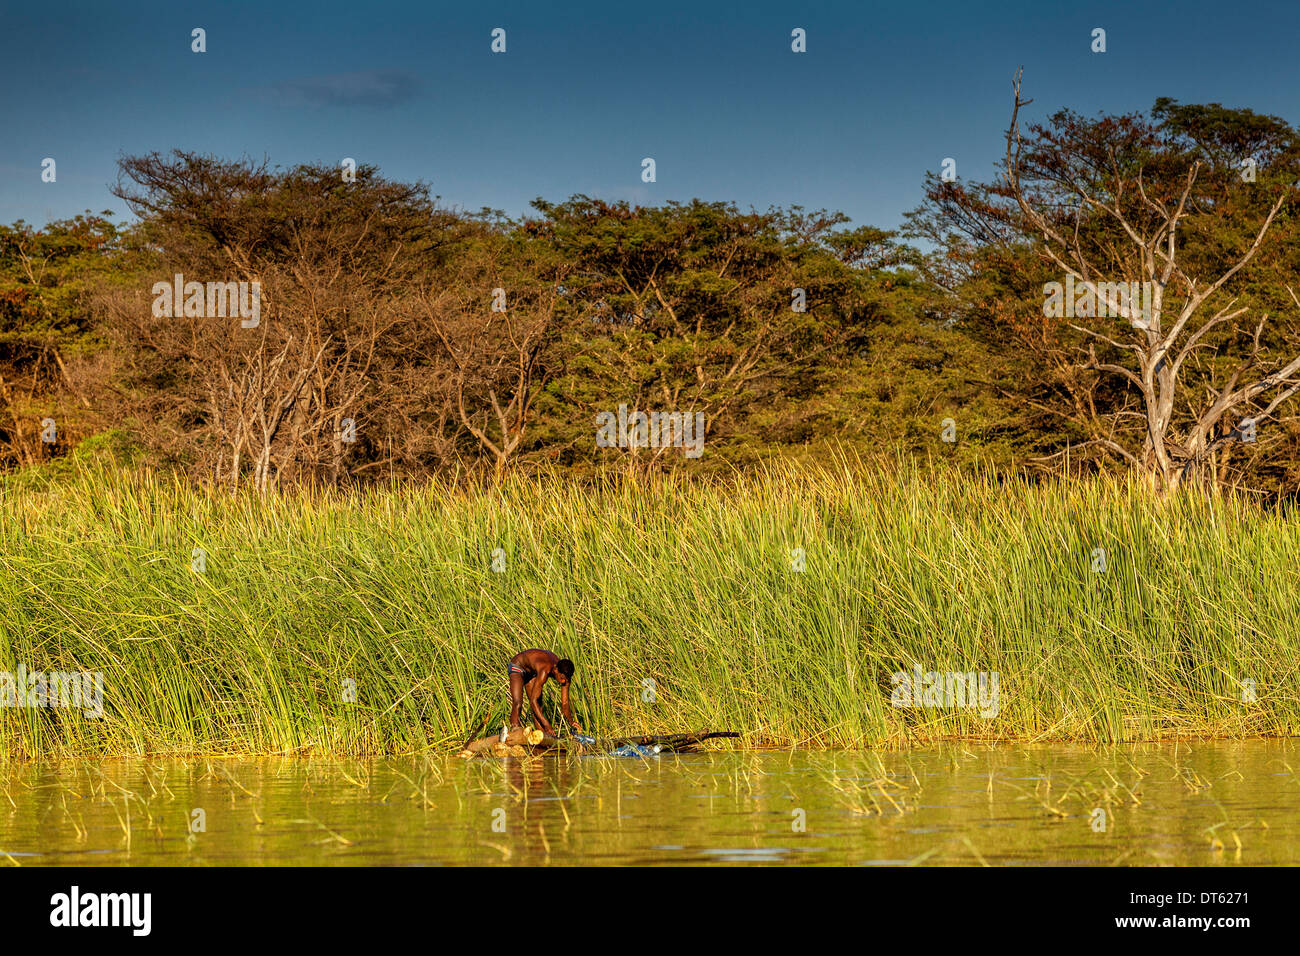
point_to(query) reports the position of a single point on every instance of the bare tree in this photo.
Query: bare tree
(335, 260)
(1182, 428)
(494, 332)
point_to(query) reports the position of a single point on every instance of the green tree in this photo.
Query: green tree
(47, 333)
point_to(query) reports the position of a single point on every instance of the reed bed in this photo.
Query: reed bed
(372, 621)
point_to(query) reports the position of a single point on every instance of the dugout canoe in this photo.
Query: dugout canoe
(522, 742)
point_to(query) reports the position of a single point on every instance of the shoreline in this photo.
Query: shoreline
(920, 745)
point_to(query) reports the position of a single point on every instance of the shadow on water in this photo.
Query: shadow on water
(1204, 803)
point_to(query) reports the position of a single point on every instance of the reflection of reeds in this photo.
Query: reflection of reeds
(926, 806)
(690, 586)
(333, 835)
(866, 787)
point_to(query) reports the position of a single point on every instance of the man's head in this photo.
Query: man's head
(565, 669)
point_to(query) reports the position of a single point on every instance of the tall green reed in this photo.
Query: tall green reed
(680, 602)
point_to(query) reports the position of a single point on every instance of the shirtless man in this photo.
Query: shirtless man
(532, 668)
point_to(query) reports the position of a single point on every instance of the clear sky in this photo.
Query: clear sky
(585, 91)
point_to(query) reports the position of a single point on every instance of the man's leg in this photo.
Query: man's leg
(535, 699)
(516, 697)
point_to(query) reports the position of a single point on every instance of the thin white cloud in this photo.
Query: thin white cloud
(372, 88)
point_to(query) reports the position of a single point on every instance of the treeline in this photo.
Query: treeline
(390, 335)
(395, 336)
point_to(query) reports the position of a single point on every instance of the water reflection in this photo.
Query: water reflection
(1204, 803)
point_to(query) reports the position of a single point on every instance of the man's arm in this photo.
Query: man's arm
(564, 708)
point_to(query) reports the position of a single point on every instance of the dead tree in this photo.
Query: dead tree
(1182, 430)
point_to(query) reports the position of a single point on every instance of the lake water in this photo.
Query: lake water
(1191, 803)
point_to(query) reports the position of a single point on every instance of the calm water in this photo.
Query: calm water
(1201, 803)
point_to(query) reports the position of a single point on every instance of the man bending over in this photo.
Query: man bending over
(531, 669)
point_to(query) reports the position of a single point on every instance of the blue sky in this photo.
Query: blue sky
(712, 91)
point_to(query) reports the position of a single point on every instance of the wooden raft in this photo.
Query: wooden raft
(523, 743)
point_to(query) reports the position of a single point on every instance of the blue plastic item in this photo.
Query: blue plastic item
(634, 750)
